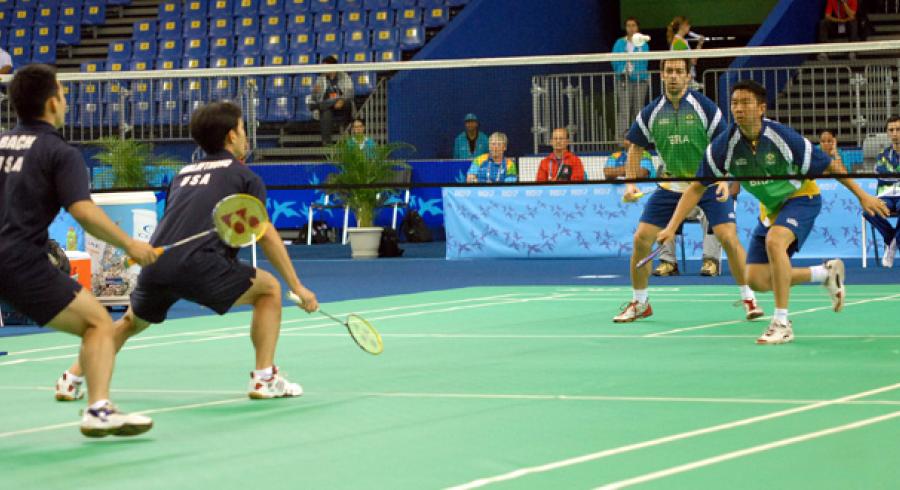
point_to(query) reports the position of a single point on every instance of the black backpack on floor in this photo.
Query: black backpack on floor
(390, 244)
(414, 228)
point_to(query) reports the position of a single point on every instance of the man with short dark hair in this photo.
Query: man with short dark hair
(472, 141)
(332, 96)
(207, 271)
(888, 190)
(39, 174)
(760, 148)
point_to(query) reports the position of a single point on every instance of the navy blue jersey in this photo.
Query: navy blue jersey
(39, 174)
(193, 194)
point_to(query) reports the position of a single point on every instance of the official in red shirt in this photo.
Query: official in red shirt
(561, 165)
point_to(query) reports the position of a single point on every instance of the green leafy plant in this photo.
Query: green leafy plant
(372, 165)
(129, 159)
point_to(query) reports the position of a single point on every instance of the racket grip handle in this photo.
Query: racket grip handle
(130, 262)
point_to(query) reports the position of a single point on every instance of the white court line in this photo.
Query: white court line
(495, 396)
(176, 408)
(746, 452)
(512, 475)
(575, 336)
(324, 323)
(793, 313)
(146, 338)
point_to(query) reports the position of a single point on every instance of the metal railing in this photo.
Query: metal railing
(373, 112)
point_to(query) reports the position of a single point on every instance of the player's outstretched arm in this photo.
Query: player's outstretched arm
(97, 223)
(274, 249)
(688, 201)
(870, 204)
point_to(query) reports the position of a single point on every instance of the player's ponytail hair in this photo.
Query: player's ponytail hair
(673, 27)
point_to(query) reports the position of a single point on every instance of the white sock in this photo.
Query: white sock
(818, 273)
(98, 404)
(640, 295)
(75, 379)
(781, 315)
(263, 373)
(747, 293)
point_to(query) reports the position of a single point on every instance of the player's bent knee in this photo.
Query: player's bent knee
(758, 278)
(266, 284)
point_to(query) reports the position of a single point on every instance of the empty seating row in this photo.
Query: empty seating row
(173, 9)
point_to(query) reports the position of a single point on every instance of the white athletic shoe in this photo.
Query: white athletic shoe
(777, 333)
(752, 309)
(275, 387)
(109, 421)
(890, 251)
(67, 389)
(834, 283)
(633, 311)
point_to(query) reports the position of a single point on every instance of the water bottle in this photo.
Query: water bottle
(71, 239)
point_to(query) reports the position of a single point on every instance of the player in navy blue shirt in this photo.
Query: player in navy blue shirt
(888, 190)
(39, 174)
(207, 271)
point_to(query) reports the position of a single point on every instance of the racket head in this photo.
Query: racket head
(649, 258)
(240, 219)
(364, 334)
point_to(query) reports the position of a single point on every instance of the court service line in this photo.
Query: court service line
(296, 320)
(575, 336)
(519, 473)
(322, 324)
(793, 313)
(746, 452)
(176, 408)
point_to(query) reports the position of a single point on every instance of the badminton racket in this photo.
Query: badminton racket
(362, 332)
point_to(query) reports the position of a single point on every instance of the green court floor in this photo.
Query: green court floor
(514, 387)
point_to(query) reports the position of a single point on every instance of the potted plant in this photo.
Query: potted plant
(369, 165)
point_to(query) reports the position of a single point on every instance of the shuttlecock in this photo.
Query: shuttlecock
(639, 39)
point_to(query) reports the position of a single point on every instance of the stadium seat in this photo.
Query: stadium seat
(18, 36)
(194, 62)
(197, 47)
(5, 16)
(246, 8)
(377, 4)
(409, 17)
(194, 28)
(169, 113)
(116, 65)
(118, 2)
(363, 82)
(302, 58)
(356, 40)
(385, 39)
(221, 46)
(386, 56)
(195, 9)
(170, 49)
(296, 6)
(399, 4)
(327, 21)
(322, 5)
(248, 46)
(272, 24)
(412, 37)
(302, 43)
(44, 52)
(69, 15)
(194, 95)
(68, 34)
(115, 114)
(166, 89)
(221, 8)
(170, 10)
(166, 63)
(381, 19)
(258, 107)
(145, 66)
(140, 90)
(329, 43)
(92, 67)
(7, 5)
(276, 60)
(223, 88)
(221, 61)
(360, 56)
(44, 34)
(437, 17)
(456, 3)
(247, 26)
(221, 27)
(22, 17)
(432, 3)
(279, 109)
(274, 44)
(278, 86)
(144, 30)
(244, 61)
(46, 16)
(144, 51)
(303, 85)
(170, 29)
(271, 7)
(71, 112)
(94, 13)
(141, 112)
(353, 19)
(301, 22)
(348, 5)
(119, 51)
(90, 113)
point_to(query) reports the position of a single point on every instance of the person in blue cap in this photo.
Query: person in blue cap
(471, 142)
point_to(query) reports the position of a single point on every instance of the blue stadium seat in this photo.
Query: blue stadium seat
(221, 61)
(144, 51)
(329, 43)
(144, 30)
(69, 14)
(92, 67)
(89, 91)
(348, 5)
(360, 56)
(275, 60)
(300, 22)
(272, 24)
(193, 62)
(432, 3)
(221, 46)
(7, 4)
(115, 113)
(116, 65)
(274, 44)
(197, 47)
(353, 19)
(140, 65)
(90, 113)
(169, 113)
(303, 58)
(271, 7)
(296, 6)
(377, 4)
(246, 8)
(71, 112)
(456, 3)
(363, 82)
(302, 42)
(27, 4)
(94, 13)
(409, 17)
(44, 52)
(195, 89)
(223, 88)
(119, 51)
(221, 27)
(166, 63)
(221, 8)
(172, 29)
(385, 39)
(140, 90)
(44, 34)
(113, 90)
(141, 112)
(69, 34)
(5, 19)
(399, 4)
(170, 10)
(388, 55)
(22, 17)
(171, 49)
(247, 26)
(194, 9)
(327, 21)
(166, 89)
(322, 5)
(248, 60)
(259, 107)
(279, 109)
(303, 85)
(118, 2)
(195, 28)
(437, 17)
(248, 45)
(46, 16)
(357, 39)
(18, 36)
(381, 19)
(412, 37)
(278, 86)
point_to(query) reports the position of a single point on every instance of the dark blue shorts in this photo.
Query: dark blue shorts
(205, 277)
(798, 215)
(35, 288)
(662, 203)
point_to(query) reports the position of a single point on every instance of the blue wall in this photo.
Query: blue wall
(426, 108)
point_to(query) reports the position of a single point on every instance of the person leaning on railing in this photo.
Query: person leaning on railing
(493, 166)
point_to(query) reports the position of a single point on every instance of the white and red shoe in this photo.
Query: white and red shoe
(276, 386)
(68, 389)
(834, 283)
(777, 333)
(634, 311)
(752, 309)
